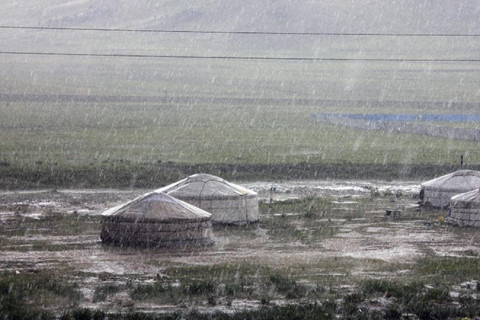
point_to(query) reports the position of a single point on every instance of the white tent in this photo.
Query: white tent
(465, 209)
(156, 219)
(437, 192)
(227, 202)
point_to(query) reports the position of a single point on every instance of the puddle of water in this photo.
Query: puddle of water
(378, 230)
(33, 215)
(332, 220)
(291, 214)
(344, 202)
(390, 254)
(47, 204)
(6, 216)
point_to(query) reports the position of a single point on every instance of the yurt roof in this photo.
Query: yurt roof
(156, 207)
(456, 181)
(205, 186)
(471, 196)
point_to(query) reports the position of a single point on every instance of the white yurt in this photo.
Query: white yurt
(465, 209)
(437, 192)
(156, 220)
(227, 202)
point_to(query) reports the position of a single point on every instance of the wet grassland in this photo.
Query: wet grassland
(147, 145)
(309, 257)
(87, 123)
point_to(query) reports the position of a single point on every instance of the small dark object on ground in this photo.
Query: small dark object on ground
(392, 213)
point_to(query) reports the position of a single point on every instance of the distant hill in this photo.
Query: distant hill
(59, 73)
(406, 16)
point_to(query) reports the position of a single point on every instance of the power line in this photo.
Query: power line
(120, 55)
(245, 32)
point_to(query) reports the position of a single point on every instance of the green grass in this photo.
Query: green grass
(113, 136)
(220, 282)
(102, 292)
(26, 296)
(426, 302)
(449, 269)
(468, 125)
(416, 298)
(87, 125)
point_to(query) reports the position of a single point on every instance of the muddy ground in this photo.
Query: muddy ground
(332, 234)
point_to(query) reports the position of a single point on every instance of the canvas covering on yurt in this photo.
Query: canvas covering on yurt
(465, 209)
(227, 202)
(156, 219)
(437, 192)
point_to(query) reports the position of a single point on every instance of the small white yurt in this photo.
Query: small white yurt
(156, 220)
(465, 209)
(227, 202)
(437, 192)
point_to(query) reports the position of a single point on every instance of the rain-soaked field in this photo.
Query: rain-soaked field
(323, 245)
